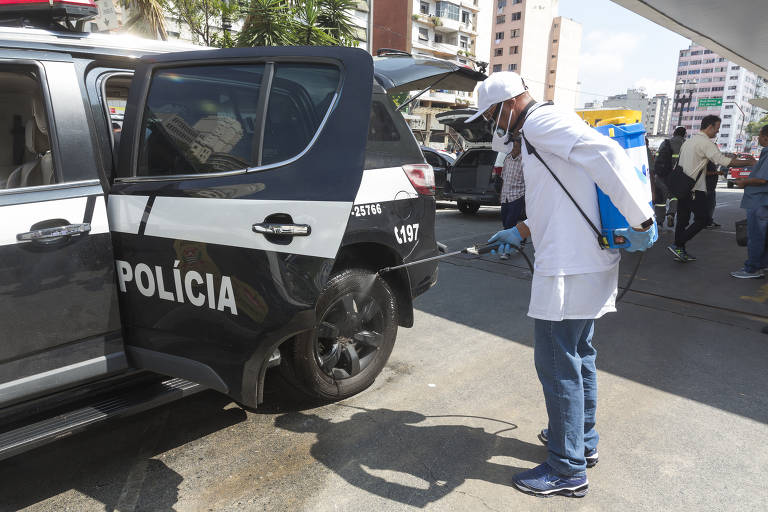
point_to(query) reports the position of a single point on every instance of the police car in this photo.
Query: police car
(202, 215)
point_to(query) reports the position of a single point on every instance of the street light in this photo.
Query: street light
(681, 99)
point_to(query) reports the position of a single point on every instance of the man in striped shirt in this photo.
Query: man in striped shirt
(512, 189)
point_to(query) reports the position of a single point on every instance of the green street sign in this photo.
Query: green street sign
(710, 102)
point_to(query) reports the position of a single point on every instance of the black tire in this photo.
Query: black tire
(468, 208)
(323, 360)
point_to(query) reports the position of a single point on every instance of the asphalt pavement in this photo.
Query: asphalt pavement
(682, 408)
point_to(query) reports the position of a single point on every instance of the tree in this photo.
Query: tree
(148, 17)
(754, 127)
(298, 22)
(205, 19)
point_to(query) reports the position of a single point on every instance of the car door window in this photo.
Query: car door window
(25, 147)
(300, 97)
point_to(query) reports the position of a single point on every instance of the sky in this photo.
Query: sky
(621, 50)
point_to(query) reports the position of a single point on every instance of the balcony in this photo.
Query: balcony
(447, 25)
(441, 49)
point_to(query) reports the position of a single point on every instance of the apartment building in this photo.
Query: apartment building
(710, 84)
(529, 38)
(655, 110)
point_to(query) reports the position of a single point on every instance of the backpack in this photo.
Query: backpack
(665, 162)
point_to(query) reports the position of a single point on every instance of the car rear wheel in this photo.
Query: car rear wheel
(468, 208)
(355, 334)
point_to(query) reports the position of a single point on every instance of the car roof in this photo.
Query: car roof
(89, 43)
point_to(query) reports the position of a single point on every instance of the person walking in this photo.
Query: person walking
(512, 189)
(694, 155)
(574, 279)
(755, 201)
(664, 164)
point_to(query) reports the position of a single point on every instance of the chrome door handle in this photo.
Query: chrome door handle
(53, 234)
(269, 228)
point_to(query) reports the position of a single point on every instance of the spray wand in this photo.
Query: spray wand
(476, 250)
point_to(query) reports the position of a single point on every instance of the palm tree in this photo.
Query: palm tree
(147, 17)
(268, 23)
(335, 19)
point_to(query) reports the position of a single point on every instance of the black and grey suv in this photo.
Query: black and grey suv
(187, 219)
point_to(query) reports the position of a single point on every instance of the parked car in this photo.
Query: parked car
(440, 162)
(474, 179)
(238, 227)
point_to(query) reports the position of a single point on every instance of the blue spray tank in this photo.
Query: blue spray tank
(632, 138)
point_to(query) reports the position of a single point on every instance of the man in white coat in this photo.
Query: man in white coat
(575, 279)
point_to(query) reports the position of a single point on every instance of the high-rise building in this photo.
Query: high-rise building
(530, 38)
(655, 110)
(709, 84)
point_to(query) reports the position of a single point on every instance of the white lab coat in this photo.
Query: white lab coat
(574, 277)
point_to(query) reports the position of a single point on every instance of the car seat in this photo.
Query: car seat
(38, 171)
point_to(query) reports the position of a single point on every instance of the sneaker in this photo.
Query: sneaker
(591, 456)
(678, 253)
(543, 481)
(743, 274)
(689, 256)
(504, 256)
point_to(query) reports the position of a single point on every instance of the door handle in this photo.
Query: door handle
(275, 229)
(49, 235)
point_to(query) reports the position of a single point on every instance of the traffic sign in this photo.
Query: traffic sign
(710, 102)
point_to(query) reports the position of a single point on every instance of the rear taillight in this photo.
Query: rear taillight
(422, 178)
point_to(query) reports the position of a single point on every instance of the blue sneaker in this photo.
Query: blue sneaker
(591, 456)
(542, 481)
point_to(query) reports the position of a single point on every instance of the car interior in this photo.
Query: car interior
(25, 150)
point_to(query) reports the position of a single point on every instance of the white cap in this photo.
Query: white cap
(498, 87)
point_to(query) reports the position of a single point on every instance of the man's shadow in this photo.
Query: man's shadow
(411, 458)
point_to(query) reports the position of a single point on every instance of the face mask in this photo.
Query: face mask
(502, 142)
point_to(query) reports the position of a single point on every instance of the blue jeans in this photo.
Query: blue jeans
(512, 212)
(757, 225)
(565, 363)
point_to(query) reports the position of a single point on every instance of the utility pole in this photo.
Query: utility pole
(682, 100)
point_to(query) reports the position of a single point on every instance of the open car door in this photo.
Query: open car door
(237, 173)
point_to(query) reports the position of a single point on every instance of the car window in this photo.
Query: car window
(390, 141)
(196, 120)
(25, 146)
(299, 100)
(205, 119)
(433, 159)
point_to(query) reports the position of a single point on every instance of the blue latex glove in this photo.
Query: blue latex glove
(506, 239)
(639, 240)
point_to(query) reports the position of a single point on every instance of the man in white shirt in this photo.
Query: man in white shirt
(575, 280)
(694, 155)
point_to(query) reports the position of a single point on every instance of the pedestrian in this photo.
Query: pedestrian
(755, 201)
(691, 192)
(574, 279)
(512, 189)
(713, 176)
(664, 163)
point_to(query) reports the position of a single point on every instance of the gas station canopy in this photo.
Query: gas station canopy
(735, 29)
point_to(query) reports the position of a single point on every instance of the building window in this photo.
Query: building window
(499, 36)
(515, 16)
(423, 34)
(496, 67)
(498, 52)
(735, 68)
(438, 38)
(447, 10)
(551, 71)
(464, 42)
(500, 19)
(554, 40)
(728, 107)
(514, 50)
(512, 67)
(554, 56)
(515, 2)
(424, 8)
(555, 25)
(732, 88)
(465, 17)
(515, 32)
(502, 4)
(730, 97)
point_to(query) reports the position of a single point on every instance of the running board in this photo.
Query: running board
(123, 403)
